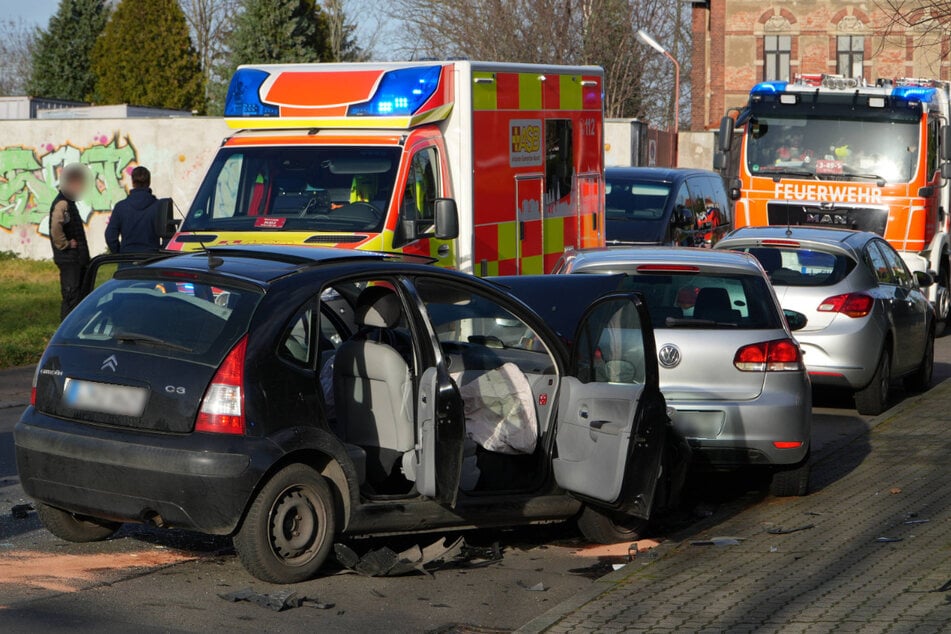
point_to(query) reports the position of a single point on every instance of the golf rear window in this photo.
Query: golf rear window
(192, 320)
(802, 267)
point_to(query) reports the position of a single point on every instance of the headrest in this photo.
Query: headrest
(378, 307)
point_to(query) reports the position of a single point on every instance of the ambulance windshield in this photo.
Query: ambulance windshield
(832, 148)
(335, 189)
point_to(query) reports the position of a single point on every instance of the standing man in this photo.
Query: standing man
(68, 236)
(131, 227)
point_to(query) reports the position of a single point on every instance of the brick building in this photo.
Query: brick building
(737, 43)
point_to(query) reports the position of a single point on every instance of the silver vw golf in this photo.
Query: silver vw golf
(731, 372)
(868, 321)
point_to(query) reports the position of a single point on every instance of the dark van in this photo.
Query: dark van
(654, 205)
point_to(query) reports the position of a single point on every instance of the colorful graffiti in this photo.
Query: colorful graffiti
(29, 177)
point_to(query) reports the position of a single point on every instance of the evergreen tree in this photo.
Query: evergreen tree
(279, 31)
(61, 58)
(145, 57)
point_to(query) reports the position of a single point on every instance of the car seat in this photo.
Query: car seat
(373, 388)
(713, 304)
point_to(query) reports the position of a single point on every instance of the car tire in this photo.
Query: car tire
(920, 379)
(289, 529)
(791, 481)
(75, 528)
(602, 527)
(873, 399)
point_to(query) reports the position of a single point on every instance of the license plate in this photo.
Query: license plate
(106, 398)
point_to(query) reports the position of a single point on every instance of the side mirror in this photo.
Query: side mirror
(946, 170)
(926, 192)
(946, 143)
(796, 320)
(925, 279)
(725, 140)
(720, 161)
(165, 222)
(447, 219)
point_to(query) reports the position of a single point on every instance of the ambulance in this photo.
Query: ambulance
(490, 168)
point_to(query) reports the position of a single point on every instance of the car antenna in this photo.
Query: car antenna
(213, 260)
(788, 224)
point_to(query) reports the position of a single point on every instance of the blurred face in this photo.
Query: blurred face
(73, 185)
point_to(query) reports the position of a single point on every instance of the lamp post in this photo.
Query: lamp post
(654, 44)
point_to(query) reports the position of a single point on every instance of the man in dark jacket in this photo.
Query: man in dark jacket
(68, 235)
(131, 227)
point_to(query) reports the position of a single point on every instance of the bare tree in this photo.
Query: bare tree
(17, 40)
(638, 81)
(343, 31)
(210, 22)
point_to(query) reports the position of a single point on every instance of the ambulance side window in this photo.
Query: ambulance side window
(559, 159)
(227, 188)
(933, 127)
(422, 189)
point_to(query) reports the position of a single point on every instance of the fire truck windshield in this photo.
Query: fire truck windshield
(336, 189)
(833, 148)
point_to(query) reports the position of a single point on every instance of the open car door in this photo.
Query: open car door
(612, 417)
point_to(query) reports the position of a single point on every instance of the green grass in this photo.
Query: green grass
(29, 309)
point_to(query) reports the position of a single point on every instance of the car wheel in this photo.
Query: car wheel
(791, 481)
(75, 528)
(920, 379)
(603, 527)
(873, 399)
(289, 529)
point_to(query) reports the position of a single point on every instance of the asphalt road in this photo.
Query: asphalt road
(153, 580)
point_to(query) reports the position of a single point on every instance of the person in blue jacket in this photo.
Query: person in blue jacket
(131, 227)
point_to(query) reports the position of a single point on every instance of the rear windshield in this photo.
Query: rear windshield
(802, 267)
(706, 300)
(191, 320)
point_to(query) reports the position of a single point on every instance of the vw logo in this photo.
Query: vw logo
(669, 355)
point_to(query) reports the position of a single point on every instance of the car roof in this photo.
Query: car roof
(263, 264)
(605, 258)
(664, 174)
(839, 238)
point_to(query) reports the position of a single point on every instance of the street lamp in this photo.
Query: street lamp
(654, 44)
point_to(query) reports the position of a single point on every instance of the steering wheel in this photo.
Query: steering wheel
(377, 214)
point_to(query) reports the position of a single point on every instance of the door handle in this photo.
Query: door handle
(606, 427)
(584, 413)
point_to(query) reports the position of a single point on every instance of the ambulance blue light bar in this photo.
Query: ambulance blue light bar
(401, 92)
(244, 95)
(913, 94)
(769, 88)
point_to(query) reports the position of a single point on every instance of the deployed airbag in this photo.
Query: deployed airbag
(500, 410)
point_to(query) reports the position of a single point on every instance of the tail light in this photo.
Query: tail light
(780, 355)
(222, 407)
(850, 304)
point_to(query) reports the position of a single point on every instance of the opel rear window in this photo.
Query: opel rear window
(802, 267)
(193, 320)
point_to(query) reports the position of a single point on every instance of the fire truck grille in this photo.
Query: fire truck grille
(841, 216)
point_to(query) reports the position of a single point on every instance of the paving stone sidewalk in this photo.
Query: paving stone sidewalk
(839, 576)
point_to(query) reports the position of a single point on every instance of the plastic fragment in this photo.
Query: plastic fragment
(911, 522)
(21, 511)
(278, 601)
(888, 540)
(538, 587)
(779, 530)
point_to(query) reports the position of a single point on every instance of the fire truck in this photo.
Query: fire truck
(834, 151)
(490, 168)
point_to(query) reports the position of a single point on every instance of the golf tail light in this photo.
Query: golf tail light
(222, 407)
(779, 355)
(850, 304)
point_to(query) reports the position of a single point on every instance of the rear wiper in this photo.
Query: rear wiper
(134, 337)
(689, 322)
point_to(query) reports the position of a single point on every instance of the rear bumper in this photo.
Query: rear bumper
(735, 433)
(846, 353)
(196, 481)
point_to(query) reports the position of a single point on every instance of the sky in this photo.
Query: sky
(38, 12)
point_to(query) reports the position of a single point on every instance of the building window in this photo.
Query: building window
(850, 53)
(776, 54)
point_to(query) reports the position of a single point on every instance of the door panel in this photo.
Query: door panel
(529, 192)
(595, 422)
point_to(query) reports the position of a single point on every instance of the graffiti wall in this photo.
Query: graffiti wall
(33, 153)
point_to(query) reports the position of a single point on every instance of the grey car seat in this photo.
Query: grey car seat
(714, 304)
(373, 386)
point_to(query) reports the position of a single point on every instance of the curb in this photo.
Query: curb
(606, 583)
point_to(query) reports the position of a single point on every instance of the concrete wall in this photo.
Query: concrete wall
(695, 150)
(32, 153)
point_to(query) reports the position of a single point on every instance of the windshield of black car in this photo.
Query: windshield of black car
(703, 300)
(802, 267)
(325, 188)
(833, 148)
(188, 319)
